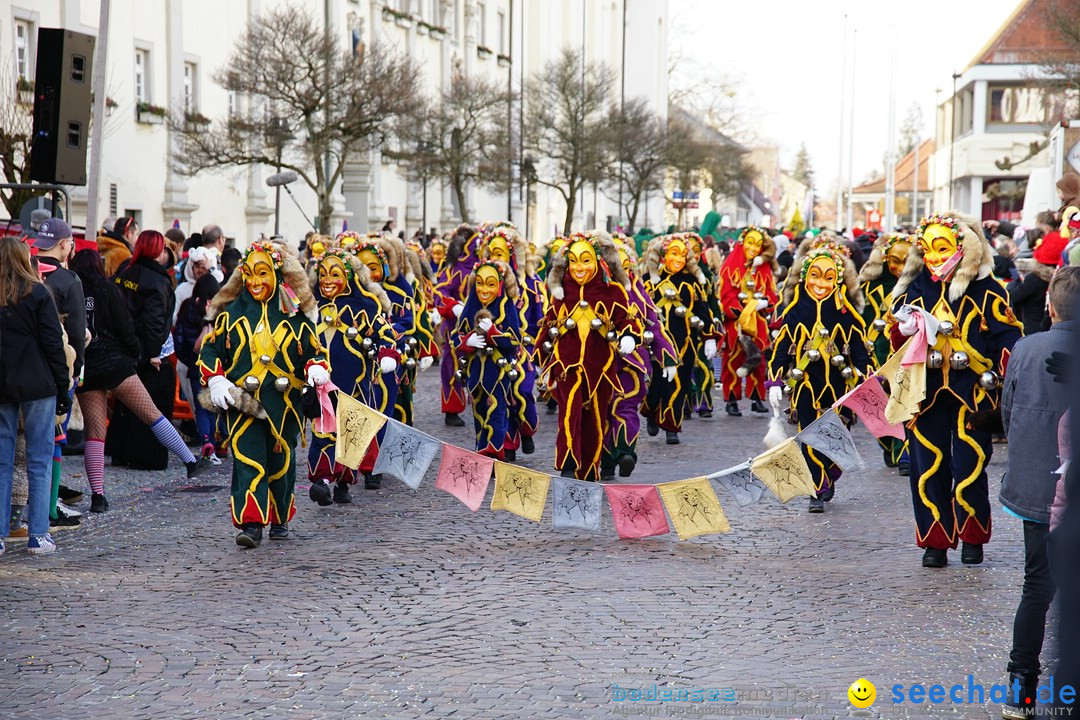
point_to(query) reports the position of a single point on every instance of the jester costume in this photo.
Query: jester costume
(747, 295)
(634, 371)
(709, 263)
(588, 323)
(255, 361)
(359, 343)
(948, 275)
(876, 280)
(420, 348)
(461, 257)
(488, 341)
(821, 342)
(677, 287)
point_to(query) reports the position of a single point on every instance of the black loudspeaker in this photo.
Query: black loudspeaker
(61, 107)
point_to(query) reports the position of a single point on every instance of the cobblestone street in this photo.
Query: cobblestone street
(407, 605)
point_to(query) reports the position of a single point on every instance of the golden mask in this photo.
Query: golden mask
(581, 258)
(624, 259)
(259, 277)
(939, 245)
(316, 246)
(373, 262)
(896, 257)
(498, 249)
(437, 253)
(752, 244)
(333, 278)
(821, 278)
(675, 256)
(695, 247)
(488, 284)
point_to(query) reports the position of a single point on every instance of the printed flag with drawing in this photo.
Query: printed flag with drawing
(743, 486)
(520, 491)
(465, 475)
(868, 401)
(693, 507)
(637, 510)
(907, 386)
(405, 454)
(830, 437)
(575, 504)
(784, 471)
(357, 426)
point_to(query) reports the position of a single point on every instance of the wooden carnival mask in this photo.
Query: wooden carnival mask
(334, 276)
(437, 253)
(675, 256)
(259, 270)
(939, 240)
(822, 276)
(752, 243)
(626, 260)
(581, 261)
(371, 256)
(896, 252)
(487, 283)
(499, 249)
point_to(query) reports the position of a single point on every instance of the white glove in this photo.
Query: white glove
(219, 391)
(457, 309)
(425, 362)
(776, 396)
(484, 324)
(908, 327)
(626, 345)
(475, 340)
(762, 304)
(710, 349)
(317, 375)
(387, 365)
(669, 373)
(435, 317)
(758, 260)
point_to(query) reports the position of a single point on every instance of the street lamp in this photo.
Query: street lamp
(528, 170)
(277, 134)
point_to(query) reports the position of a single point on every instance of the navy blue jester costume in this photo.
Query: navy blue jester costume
(949, 275)
(819, 351)
(488, 338)
(353, 327)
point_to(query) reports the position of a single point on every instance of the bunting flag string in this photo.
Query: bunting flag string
(830, 436)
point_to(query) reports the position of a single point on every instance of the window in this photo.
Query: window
(1016, 105)
(142, 76)
(23, 35)
(232, 103)
(481, 19)
(502, 35)
(191, 104)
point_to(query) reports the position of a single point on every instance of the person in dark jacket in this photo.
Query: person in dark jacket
(1028, 296)
(1031, 407)
(34, 381)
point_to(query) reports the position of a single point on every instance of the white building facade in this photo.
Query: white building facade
(165, 53)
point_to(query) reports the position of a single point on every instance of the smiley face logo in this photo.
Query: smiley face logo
(862, 693)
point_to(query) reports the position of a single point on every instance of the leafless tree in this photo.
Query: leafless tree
(16, 128)
(1061, 62)
(312, 107)
(640, 160)
(462, 138)
(567, 125)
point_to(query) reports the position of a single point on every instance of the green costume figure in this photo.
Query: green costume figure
(255, 361)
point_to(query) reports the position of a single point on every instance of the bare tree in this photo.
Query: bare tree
(1061, 63)
(313, 106)
(686, 160)
(804, 169)
(910, 130)
(567, 125)
(16, 128)
(462, 137)
(640, 145)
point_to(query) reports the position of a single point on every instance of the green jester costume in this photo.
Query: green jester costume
(262, 351)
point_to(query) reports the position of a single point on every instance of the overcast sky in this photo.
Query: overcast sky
(786, 58)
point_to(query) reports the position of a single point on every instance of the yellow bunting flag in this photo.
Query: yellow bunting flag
(693, 507)
(907, 386)
(520, 491)
(357, 426)
(784, 471)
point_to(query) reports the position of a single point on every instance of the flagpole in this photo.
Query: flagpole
(851, 132)
(840, 141)
(890, 153)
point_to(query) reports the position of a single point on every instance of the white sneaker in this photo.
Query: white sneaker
(2, 547)
(69, 511)
(41, 545)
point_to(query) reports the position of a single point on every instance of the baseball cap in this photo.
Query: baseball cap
(51, 232)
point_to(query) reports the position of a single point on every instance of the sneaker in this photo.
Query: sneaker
(69, 511)
(62, 521)
(21, 532)
(40, 545)
(213, 459)
(250, 536)
(192, 468)
(279, 532)
(373, 482)
(69, 495)
(98, 503)
(817, 505)
(3, 548)
(1016, 708)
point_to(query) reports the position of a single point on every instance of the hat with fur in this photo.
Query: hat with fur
(290, 273)
(606, 253)
(509, 279)
(519, 249)
(875, 264)
(976, 263)
(361, 275)
(657, 249)
(840, 255)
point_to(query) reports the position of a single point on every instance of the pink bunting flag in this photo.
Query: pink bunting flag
(868, 401)
(637, 510)
(465, 475)
(327, 420)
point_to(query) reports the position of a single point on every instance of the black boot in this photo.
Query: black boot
(829, 492)
(509, 455)
(935, 558)
(320, 492)
(652, 428)
(527, 445)
(971, 554)
(98, 503)
(1023, 706)
(552, 406)
(372, 482)
(626, 465)
(279, 532)
(567, 473)
(454, 420)
(705, 413)
(250, 536)
(903, 468)
(817, 505)
(732, 409)
(672, 437)
(758, 406)
(342, 496)
(889, 462)
(192, 468)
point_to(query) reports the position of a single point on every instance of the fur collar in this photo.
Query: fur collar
(608, 253)
(977, 263)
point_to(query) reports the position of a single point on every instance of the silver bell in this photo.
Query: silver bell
(328, 319)
(610, 336)
(569, 323)
(547, 346)
(743, 296)
(264, 359)
(372, 353)
(813, 355)
(553, 333)
(501, 362)
(281, 384)
(869, 347)
(750, 283)
(251, 383)
(878, 324)
(669, 293)
(410, 363)
(460, 374)
(596, 323)
(513, 374)
(647, 337)
(463, 361)
(934, 359)
(351, 333)
(823, 332)
(988, 380)
(695, 321)
(847, 373)
(413, 342)
(774, 334)
(797, 374)
(837, 360)
(959, 360)
(527, 339)
(946, 328)
(681, 311)
(759, 296)
(583, 304)
(787, 390)
(489, 351)
(366, 344)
